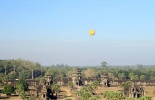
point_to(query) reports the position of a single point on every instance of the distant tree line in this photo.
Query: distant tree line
(25, 69)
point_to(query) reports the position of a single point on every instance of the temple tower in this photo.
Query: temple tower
(105, 80)
(76, 77)
(46, 89)
(48, 80)
(133, 91)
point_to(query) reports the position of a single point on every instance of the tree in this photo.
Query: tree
(21, 87)
(23, 83)
(5, 66)
(12, 75)
(142, 77)
(56, 88)
(86, 96)
(135, 77)
(104, 64)
(131, 74)
(95, 84)
(84, 93)
(121, 76)
(4, 80)
(8, 89)
(88, 73)
(128, 83)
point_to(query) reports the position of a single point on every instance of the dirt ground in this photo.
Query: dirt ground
(66, 93)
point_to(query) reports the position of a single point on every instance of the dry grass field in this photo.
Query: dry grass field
(149, 91)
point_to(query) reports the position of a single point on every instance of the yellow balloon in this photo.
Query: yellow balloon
(92, 32)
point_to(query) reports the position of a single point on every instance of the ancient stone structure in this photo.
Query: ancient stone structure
(48, 80)
(105, 80)
(133, 91)
(46, 92)
(76, 77)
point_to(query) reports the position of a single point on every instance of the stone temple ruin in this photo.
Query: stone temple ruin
(76, 77)
(133, 91)
(105, 80)
(46, 92)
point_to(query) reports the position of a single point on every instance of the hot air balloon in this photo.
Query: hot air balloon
(92, 32)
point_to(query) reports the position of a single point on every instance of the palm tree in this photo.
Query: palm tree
(30, 65)
(14, 63)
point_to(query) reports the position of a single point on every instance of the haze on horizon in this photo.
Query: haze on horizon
(54, 32)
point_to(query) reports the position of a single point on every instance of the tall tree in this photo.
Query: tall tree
(89, 73)
(104, 64)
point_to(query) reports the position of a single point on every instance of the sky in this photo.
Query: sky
(57, 31)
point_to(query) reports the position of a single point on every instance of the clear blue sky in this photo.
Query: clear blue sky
(56, 31)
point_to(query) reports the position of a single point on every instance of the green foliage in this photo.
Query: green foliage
(130, 99)
(104, 64)
(20, 68)
(56, 88)
(135, 77)
(86, 92)
(110, 95)
(86, 95)
(95, 84)
(68, 99)
(90, 89)
(124, 84)
(24, 74)
(89, 73)
(42, 80)
(70, 84)
(22, 94)
(22, 85)
(144, 98)
(12, 75)
(142, 77)
(93, 98)
(8, 89)
(15, 68)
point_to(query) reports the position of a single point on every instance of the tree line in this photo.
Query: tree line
(25, 69)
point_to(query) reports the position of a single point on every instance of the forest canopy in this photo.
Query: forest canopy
(19, 69)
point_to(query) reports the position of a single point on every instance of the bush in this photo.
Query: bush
(110, 95)
(145, 98)
(8, 89)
